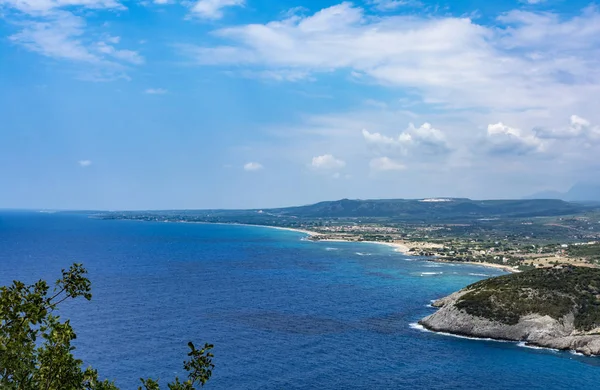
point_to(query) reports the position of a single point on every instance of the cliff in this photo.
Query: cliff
(554, 308)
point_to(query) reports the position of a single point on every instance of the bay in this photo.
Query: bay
(282, 312)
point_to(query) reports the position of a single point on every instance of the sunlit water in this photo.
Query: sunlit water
(283, 312)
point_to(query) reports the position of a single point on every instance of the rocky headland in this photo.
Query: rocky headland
(555, 308)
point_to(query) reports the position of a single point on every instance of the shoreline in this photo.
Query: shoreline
(506, 268)
(519, 343)
(398, 247)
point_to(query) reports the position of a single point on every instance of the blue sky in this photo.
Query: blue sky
(154, 104)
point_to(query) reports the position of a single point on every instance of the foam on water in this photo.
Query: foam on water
(417, 326)
(523, 344)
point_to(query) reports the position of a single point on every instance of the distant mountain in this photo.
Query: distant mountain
(580, 192)
(431, 209)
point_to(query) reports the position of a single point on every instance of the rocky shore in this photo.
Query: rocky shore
(566, 326)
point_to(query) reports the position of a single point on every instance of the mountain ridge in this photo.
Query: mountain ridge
(580, 192)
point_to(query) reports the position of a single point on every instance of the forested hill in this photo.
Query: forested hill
(433, 209)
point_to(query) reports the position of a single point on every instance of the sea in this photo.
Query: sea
(282, 312)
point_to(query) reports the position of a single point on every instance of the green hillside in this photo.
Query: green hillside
(549, 291)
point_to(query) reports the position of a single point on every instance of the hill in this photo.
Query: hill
(552, 307)
(446, 210)
(432, 209)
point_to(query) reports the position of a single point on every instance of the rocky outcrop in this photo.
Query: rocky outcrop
(534, 328)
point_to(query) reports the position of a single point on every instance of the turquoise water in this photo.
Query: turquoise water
(282, 312)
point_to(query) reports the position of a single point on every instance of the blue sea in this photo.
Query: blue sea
(282, 312)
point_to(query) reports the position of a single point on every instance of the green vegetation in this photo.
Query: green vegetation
(35, 346)
(380, 210)
(515, 233)
(442, 209)
(550, 291)
(591, 252)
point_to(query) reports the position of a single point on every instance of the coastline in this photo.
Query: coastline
(506, 268)
(398, 247)
(307, 232)
(519, 343)
(401, 248)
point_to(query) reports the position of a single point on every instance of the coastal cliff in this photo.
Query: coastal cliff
(555, 308)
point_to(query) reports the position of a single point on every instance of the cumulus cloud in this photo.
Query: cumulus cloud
(385, 164)
(380, 142)
(327, 162)
(579, 128)
(155, 91)
(213, 9)
(502, 139)
(253, 166)
(425, 137)
(84, 163)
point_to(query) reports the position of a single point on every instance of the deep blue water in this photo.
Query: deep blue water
(282, 312)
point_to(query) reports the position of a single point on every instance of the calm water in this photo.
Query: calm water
(282, 312)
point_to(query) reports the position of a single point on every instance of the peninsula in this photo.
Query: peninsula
(556, 308)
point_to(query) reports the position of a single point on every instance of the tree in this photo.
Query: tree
(35, 346)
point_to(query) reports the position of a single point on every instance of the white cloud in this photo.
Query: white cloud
(155, 91)
(379, 139)
(114, 40)
(390, 5)
(426, 138)
(124, 55)
(451, 62)
(39, 7)
(84, 163)
(275, 75)
(503, 139)
(58, 36)
(327, 162)
(386, 164)
(58, 29)
(579, 128)
(253, 166)
(213, 9)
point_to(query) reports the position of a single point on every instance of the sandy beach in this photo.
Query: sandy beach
(398, 247)
(506, 268)
(405, 248)
(308, 232)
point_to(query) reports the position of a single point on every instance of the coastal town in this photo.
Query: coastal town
(495, 239)
(507, 251)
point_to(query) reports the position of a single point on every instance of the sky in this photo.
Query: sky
(165, 104)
